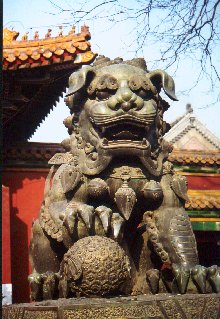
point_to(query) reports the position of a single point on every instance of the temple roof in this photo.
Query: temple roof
(187, 132)
(203, 200)
(42, 52)
(195, 157)
(31, 152)
(35, 75)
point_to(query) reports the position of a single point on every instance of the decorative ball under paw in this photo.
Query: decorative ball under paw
(95, 266)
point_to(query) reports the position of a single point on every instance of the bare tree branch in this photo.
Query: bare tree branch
(185, 28)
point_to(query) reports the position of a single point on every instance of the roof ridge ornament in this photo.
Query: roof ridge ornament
(12, 35)
(9, 36)
(84, 28)
(48, 34)
(36, 35)
(25, 36)
(73, 30)
(189, 108)
(60, 31)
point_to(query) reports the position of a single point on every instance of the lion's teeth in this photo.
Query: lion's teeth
(103, 129)
(105, 141)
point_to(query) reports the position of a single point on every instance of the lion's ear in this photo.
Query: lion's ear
(161, 79)
(78, 79)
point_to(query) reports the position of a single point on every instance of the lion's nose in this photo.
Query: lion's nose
(126, 94)
(126, 106)
(127, 103)
(126, 99)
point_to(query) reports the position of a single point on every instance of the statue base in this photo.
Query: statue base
(161, 306)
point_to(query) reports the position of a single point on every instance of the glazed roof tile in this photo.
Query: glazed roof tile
(203, 200)
(195, 157)
(42, 52)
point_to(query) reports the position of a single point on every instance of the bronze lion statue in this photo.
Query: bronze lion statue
(112, 220)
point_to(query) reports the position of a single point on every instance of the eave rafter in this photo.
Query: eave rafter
(35, 75)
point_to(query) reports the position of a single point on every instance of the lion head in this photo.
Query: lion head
(117, 106)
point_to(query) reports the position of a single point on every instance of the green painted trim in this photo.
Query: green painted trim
(209, 214)
(206, 226)
(196, 169)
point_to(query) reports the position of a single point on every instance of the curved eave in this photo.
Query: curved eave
(195, 157)
(203, 200)
(32, 53)
(31, 92)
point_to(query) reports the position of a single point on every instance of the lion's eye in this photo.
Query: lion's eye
(135, 83)
(103, 95)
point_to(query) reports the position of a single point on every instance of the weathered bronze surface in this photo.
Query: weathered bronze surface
(160, 306)
(112, 220)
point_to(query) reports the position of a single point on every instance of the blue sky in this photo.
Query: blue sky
(112, 41)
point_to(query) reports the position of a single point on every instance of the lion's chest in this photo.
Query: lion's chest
(126, 176)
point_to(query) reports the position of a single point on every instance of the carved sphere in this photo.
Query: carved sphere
(97, 188)
(102, 266)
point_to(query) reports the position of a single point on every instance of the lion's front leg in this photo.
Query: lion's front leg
(82, 220)
(78, 221)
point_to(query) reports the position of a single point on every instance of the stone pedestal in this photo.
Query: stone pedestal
(163, 306)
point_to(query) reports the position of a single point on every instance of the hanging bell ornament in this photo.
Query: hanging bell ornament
(97, 188)
(152, 190)
(125, 198)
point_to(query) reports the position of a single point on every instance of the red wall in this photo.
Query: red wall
(211, 182)
(6, 247)
(26, 188)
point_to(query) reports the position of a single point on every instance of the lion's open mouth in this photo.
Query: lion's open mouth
(125, 130)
